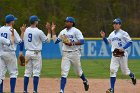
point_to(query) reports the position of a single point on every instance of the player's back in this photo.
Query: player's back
(33, 38)
(6, 33)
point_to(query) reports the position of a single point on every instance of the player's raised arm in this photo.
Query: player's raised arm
(12, 35)
(22, 29)
(48, 26)
(54, 37)
(103, 36)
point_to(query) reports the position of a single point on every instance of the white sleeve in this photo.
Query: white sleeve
(17, 37)
(45, 38)
(59, 36)
(79, 35)
(126, 37)
(5, 41)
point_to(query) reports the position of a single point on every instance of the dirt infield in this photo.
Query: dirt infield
(51, 85)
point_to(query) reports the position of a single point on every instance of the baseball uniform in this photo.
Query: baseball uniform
(119, 39)
(33, 39)
(8, 57)
(71, 53)
(3, 41)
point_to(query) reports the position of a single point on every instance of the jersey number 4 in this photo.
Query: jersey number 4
(4, 35)
(29, 37)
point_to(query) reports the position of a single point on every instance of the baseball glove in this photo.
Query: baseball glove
(21, 60)
(65, 39)
(118, 53)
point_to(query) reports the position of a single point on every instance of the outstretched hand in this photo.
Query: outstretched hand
(48, 26)
(102, 34)
(53, 26)
(23, 28)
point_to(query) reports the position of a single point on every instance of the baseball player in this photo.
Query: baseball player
(71, 51)
(8, 57)
(120, 40)
(4, 41)
(33, 39)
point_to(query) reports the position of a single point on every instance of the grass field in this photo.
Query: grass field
(93, 68)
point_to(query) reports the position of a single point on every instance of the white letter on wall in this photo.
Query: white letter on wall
(91, 48)
(103, 50)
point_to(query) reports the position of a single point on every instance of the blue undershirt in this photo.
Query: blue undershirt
(105, 40)
(127, 45)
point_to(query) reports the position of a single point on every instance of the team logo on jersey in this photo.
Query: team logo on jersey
(70, 36)
(116, 39)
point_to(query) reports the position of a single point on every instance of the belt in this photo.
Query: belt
(35, 51)
(70, 51)
(8, 51)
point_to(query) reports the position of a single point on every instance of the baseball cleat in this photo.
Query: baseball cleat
(61, 91)
(110, 90)
(86, 85)
(134, 81)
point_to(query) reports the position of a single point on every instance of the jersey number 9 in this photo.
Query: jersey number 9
(29, 37)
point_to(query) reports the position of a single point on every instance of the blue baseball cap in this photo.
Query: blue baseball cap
(70, 19)
(33, 18)
(117, 21)
(9, 18)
